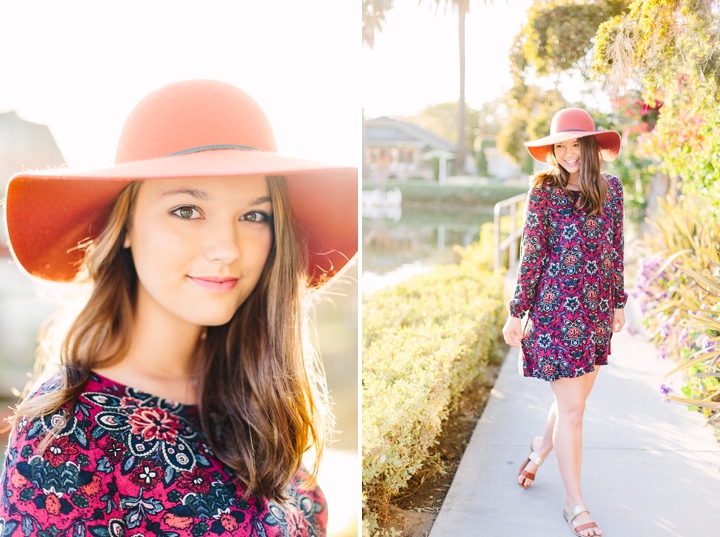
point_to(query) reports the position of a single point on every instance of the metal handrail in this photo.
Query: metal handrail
(515, 233)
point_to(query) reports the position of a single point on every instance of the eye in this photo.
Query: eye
(186, 212)
(256, 216)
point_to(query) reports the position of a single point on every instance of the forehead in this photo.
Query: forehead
(568, 142)
(207, 188)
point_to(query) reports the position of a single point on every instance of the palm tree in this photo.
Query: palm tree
(462, 7)
(373, 17)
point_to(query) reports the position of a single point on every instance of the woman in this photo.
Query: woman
(182, 401)
(571, 282)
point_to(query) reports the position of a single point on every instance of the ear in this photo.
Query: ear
(126, 242)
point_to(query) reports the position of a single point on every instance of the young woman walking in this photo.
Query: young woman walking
(571, 282)
(181, 400)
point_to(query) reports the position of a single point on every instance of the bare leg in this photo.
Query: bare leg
(542, 445)
(570, 396)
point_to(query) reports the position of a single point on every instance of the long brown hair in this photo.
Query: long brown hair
(593, 186)
(262, 400)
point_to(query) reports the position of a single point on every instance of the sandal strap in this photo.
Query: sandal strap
(575, 511)
(585, 526)
(528, 475)
(537, 459)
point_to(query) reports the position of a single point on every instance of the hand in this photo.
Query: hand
(618, 319)
(512, 331)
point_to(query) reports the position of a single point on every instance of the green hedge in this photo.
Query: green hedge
(425, 340)
(426, 192)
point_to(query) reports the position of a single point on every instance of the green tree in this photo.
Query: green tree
(557, 38)
(442, 120)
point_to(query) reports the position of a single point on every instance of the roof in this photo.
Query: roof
(388, 132)
(25, 146)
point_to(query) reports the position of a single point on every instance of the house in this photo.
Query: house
(24, 146)
(396, 149)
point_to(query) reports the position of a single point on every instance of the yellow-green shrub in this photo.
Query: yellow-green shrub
(425, 340)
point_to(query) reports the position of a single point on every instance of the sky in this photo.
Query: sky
(81, 66)
(415, 61)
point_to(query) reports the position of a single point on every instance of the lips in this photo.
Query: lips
(572, 162)
(215, 284)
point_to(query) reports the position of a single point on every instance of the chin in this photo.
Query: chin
(210, 318)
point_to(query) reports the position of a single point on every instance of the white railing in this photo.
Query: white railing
(509, 243)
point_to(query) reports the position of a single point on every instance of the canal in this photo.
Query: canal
(411, 239)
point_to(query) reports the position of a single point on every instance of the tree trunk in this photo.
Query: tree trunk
(660, 187)
(459, 166)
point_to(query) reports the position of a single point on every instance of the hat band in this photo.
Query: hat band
(213, 148)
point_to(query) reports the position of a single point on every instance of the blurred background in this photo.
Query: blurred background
(444, 191)
(71, 72)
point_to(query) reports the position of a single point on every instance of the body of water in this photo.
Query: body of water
(415, 238)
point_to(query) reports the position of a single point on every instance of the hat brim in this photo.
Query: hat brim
(608, 141)
(49, 213)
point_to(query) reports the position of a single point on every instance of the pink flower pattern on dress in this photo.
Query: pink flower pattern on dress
(127, 463)
(570, 280)
(154, 424)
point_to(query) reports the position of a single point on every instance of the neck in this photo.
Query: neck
(163, 346)
(161, 359)
(574, 178)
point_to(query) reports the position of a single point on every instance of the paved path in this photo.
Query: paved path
(649, 470)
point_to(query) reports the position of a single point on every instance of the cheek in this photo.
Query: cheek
(159, 256)
(255, 251)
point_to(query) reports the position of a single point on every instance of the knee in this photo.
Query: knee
(572, 413)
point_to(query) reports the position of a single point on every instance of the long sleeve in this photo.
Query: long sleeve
(618, 247)
(61, 491)
(534, 253)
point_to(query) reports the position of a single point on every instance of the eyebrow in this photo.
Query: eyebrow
(199, 194)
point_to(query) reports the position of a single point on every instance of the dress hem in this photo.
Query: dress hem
(540, 376)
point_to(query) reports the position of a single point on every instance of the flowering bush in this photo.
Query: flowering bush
(677, 286)
(425, 340)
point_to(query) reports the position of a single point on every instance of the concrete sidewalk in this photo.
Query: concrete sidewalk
(649, 468)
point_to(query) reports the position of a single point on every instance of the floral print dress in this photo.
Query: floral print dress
(127, 463)
(570, 279)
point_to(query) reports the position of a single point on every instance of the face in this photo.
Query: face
(568, 155)
(199, 245)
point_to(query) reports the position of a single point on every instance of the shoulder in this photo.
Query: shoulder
(543, 180)
(540, 188)
(614, 183)
(51, 468)
(305, 501)
(67, 425)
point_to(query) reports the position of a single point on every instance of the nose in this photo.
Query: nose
(222, 242)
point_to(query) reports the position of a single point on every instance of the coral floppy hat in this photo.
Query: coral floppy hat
(188, 129)
(571, 123)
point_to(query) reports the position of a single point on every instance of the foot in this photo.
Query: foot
(584, 518)
(531, 468)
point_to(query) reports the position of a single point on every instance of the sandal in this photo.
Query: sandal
(575, 511)
(533, 457)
